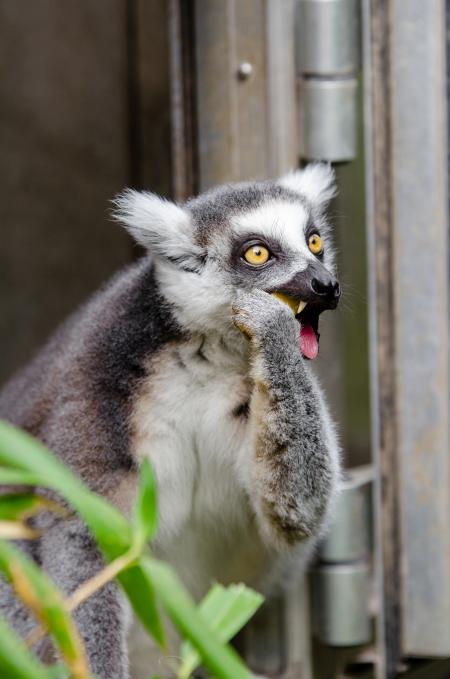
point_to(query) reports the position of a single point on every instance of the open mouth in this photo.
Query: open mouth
(309, 331)
(308, 317)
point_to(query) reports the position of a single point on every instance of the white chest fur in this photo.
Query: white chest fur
(185, 422)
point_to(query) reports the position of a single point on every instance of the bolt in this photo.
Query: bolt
(245, 70)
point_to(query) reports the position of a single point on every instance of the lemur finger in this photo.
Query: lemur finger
(260, 315)
(258, 304)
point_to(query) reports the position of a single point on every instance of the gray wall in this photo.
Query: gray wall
(83, 99)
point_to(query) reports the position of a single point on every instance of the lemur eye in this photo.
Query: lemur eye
(315, 244)
(257, 254)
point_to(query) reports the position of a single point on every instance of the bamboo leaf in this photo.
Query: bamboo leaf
(226, 611)
(58, 672)
(111, 530)
(229, 612)
(141, 593)
(15, 660)
(114, 537)
(17, 477)
(24, 453)
(221, 660)
(14, 506)
(146, 513)
(22, 506)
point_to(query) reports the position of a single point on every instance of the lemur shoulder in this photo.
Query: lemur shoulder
(187, 358)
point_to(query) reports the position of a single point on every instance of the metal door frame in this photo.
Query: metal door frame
(407, 190)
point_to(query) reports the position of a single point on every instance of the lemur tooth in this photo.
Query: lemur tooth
(301, 306)
(292, 304)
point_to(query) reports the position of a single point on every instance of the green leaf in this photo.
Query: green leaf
(14, 506)
(16, 662)
(110, 529)
(14, 477)
(140, 591)
(17, 507)
(24, 453)
(21, 506)
(114, 537)
(146, 513)
(221, 660)
(39, 593)
(226, 611)
(57, 672)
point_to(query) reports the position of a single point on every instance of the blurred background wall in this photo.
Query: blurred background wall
(84, 112)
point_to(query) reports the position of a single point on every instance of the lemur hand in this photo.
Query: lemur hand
(264, 319)
(295, 463)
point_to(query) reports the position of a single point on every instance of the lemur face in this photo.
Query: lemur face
(268, 235)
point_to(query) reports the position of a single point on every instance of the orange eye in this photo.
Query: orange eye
(315, 244)
(256, 255)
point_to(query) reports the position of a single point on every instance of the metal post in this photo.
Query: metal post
(421, 302)
(407, 211)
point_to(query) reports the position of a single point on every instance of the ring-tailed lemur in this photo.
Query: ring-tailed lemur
(186, 357)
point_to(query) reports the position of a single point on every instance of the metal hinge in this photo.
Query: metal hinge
(341, 578)
(327, 40)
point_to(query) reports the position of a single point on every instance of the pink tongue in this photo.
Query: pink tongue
(309, 345)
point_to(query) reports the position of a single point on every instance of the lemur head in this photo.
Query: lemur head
(271, 235)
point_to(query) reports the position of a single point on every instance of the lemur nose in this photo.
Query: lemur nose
(326, 286)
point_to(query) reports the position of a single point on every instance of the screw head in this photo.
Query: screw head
(245, 70)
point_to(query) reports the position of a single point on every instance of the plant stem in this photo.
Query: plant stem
(87, 589)
(15, 530)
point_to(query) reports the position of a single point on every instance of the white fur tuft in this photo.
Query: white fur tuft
(316, 182)
(156, 223)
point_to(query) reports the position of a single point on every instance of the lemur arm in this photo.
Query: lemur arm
(294, 468)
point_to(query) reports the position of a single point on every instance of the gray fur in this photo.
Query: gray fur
(188, 327)
(215, 207)
(294, 473)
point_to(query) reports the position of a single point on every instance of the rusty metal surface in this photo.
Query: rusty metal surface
(422, 313)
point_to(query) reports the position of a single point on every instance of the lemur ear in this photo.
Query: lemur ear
(316, 182)
(158, 224)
